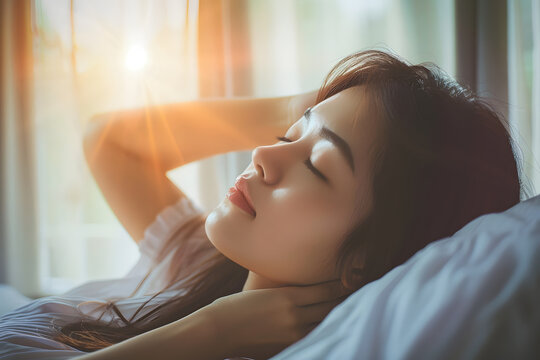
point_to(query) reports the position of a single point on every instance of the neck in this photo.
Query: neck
(255, 281)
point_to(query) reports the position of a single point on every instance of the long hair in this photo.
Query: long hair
(446, 157)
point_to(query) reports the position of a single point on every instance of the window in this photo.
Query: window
(90, 57)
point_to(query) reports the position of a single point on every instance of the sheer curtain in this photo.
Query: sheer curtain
(18, 216)
(91, 56)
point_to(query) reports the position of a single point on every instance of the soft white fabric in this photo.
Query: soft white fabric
(11, 299)
(25, 332)
(475, 295)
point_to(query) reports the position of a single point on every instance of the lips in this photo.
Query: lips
(239, 195)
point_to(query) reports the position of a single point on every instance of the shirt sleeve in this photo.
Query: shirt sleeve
(167, 222)
(25, 332)
(164, 232)
(156, 237)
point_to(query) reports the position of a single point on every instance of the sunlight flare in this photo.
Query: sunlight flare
(136, 58)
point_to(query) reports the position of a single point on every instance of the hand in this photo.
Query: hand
(261, 323)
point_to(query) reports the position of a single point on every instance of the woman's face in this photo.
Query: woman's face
(301, 219)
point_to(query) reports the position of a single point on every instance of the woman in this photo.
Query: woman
(387, 158)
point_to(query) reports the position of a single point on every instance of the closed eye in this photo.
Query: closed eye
(307, 162)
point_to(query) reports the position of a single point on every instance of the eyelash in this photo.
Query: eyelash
(307, 161)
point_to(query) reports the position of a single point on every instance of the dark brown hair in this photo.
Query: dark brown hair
(446, 157)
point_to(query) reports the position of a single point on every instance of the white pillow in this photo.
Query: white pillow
(473, 295)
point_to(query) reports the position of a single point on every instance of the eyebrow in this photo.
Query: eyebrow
(335, 139)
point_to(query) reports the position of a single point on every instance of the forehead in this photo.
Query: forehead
(350, 115)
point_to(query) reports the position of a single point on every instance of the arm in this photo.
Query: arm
(130, 151)
(192, 337)
(172, 135)
(254, 323)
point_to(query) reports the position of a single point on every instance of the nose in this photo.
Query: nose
(271, 161)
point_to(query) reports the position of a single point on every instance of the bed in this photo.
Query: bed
(474, 295)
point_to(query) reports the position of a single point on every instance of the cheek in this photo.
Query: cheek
(297, 257)
(297, 240)
(293, 239)
(296, 208)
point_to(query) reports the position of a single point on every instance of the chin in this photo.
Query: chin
(217, 231)
(210, 226)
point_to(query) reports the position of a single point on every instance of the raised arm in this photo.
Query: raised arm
(130, 151)
(172, 135)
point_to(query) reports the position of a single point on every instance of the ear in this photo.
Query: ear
(359, 261)
(357, 271)
(353, 279)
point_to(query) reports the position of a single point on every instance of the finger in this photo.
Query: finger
(313, 294)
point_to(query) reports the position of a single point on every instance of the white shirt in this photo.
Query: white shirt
(25, 333)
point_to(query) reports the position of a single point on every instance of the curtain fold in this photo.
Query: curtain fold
(492, 59)
(520, 109)
(524, 86)
(481, 49)
(224, 67)
(535, 118)
(20, 264)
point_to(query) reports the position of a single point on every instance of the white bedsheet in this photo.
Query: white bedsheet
(475, 295)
